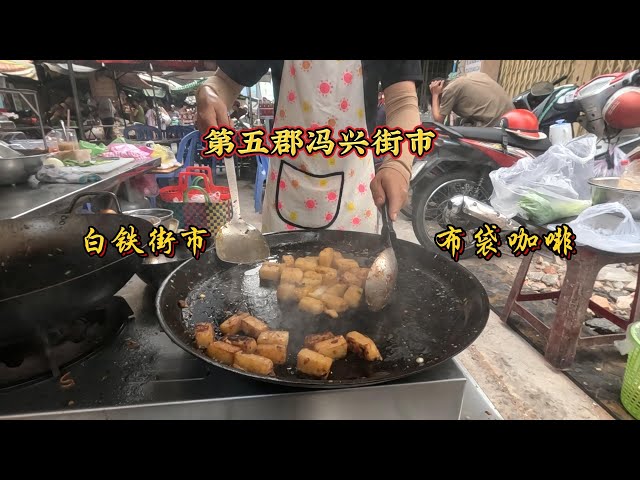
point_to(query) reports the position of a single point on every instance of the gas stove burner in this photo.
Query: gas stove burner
(73, 340)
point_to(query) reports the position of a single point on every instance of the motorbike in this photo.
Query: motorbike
(607, 106)
(537, 99)
(459, 164)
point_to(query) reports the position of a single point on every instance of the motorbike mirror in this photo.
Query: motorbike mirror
(542, 89)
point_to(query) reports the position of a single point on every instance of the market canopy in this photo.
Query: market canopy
(19, 68)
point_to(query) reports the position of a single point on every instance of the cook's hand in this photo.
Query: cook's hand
(436, 87)
(389, 185)
(212, 112)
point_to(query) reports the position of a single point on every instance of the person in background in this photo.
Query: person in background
(107, 115)
(187, 115)
(152, 119)
(59, 112)
(306, 191)
(238, 111)
(165, 118)
(475, 97)
(175, 116)
(137, 112)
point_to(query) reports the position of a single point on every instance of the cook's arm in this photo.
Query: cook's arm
(224, 87)
(216, 96)
(401, 105)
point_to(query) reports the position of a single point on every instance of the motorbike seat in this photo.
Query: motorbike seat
(491, 134)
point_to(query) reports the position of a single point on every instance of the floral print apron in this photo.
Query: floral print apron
(313, 191)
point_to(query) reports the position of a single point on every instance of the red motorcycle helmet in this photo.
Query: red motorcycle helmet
(522, 123)
(622, 110)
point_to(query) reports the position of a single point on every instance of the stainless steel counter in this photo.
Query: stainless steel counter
(158, 380)
(47, 198)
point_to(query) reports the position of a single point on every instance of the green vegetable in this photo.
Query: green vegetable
(541, 209)
(95, 149)
(73, 163)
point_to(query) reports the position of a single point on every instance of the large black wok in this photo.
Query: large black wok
(46, 275)
(438, 310)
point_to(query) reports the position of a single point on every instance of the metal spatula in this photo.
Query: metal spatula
(237, 241)
(383, 274)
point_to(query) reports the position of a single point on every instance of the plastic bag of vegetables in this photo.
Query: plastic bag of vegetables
(559, 176)
(542, 209)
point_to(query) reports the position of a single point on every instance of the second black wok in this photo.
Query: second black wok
(46, 274)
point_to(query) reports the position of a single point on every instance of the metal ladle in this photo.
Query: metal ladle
(383, 274)
(237, 241)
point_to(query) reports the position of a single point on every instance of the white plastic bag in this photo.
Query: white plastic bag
(608, 227)
(601, 168)
(560, 173)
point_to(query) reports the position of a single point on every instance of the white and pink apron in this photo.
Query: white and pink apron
(311, 191)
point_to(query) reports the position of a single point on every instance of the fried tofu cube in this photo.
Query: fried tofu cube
(351, 278)
(204, 334)
(318, 292)
(311, 340)
(306, 263)
(302, 292)
(363, 346)
(246, 344)
(325, 258)
(253, 327)
(330, 278)
(334, 302)
(276, 353)
(363, 273)
(311, 279)
(313, 363)
(291, 275)
(288, 261)
(323, 270)
(269, 272)
(222, 352)
(338, 289)
(274, 337)
(335, 347)
(311, 305)
(331, 313)
(346, 264)
(233, 324)
(336, 256)
(353, 295)
(252, 363)
(286, 292)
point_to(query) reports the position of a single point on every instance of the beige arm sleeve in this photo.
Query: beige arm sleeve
(401, 106)
(225, 88)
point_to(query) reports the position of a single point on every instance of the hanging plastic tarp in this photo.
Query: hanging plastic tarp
(19, 68)
(157, 80)
(63, 69)
(158, 91)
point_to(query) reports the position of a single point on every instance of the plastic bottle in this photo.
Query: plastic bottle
(51, 139)
(560, 133)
